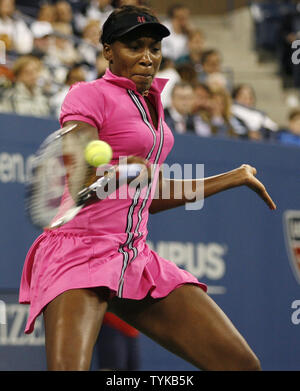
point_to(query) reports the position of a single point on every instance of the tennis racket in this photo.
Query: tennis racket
(62, 182)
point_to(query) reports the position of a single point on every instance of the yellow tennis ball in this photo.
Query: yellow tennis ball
(98, 152)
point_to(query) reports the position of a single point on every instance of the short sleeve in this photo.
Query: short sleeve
(83, 102)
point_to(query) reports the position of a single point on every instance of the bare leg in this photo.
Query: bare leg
(72, 324)
(190, 324)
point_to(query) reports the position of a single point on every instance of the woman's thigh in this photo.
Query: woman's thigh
(72, 324)
(190, 324)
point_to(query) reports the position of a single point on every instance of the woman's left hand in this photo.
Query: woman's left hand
(248, 178)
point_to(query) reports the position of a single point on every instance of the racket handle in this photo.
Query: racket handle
(123, 172)
(129, 171)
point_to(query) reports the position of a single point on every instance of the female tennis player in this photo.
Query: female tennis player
(100, 261)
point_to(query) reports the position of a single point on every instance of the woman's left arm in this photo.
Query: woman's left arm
(180, 192)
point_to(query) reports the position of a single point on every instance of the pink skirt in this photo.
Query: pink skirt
(60, 260)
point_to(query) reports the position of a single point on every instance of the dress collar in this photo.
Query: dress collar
(157, 86)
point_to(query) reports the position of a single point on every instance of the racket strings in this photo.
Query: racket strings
(60, 172)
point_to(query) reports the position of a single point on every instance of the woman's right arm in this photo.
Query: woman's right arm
(83, 131)
(79, 173)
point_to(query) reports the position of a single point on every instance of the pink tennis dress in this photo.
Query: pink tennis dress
(105, 244)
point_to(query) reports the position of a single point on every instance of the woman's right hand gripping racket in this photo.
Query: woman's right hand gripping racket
(62, 182)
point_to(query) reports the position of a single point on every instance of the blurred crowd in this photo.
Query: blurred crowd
(276, 28)
(52, 45)
(277, 39)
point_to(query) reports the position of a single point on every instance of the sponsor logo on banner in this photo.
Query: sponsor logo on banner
(296, 314)
(15, 168)
(203, 260)
(12, 331)
(291, 223)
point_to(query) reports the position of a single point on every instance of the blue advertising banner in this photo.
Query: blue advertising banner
(20, 137)
(248, 255)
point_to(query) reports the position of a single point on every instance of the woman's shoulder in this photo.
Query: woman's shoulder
(85, 100)
(87, 86)
(87, 91)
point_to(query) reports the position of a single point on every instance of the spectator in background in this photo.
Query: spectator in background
(196, 43)
(217, 81)
(223, 123)
(244, 94)
(56, 52)
(42, 43)
(168, 71)
(64, 18)
(79, 18)
(212, 113)
(13, 30)
(258, 124)
(61, 52)
(47, 13)
(202, 109)
(211, 64)
(90, 46)
(179, 24)
(291, 135)
(64, 51)
(187, 73)
(179, 115)
(97, 10)
(75, 75)
(91, 33)
(42, 36)
(26, 97)
(203, 96)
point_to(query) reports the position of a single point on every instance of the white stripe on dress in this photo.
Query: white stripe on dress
(130, 237)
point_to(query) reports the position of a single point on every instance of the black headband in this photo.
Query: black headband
(125, 23)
